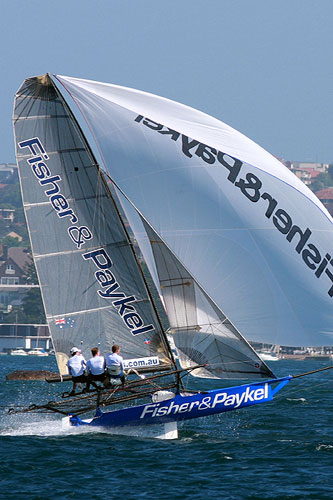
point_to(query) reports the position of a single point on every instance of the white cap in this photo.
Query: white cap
(74, 350)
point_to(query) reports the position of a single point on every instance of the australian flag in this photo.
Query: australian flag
(64, 322)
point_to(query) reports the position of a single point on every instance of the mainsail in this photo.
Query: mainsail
(253, 235)
(92, 286)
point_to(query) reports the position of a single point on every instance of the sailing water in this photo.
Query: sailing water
(280, 450)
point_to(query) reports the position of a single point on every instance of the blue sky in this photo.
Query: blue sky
(262, 66)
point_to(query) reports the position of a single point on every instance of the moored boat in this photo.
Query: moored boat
(269, 355)
(38, 351)
(19, 351)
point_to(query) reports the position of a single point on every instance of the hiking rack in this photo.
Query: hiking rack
(133, 390)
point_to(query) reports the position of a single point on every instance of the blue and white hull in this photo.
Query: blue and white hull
(184, 407)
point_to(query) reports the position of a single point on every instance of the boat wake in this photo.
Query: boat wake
(58, 428)
(42, 428)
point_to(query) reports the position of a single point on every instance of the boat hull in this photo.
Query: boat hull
(185, 407)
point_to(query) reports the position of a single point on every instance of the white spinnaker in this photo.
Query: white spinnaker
(251, 233)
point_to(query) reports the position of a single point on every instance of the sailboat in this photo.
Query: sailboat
(164, 230)
(19, 351)
(38, 351)
(271, 354)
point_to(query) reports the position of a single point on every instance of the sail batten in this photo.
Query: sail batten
(32, 117)
(75, 313)
(69, 252)
(68, 199)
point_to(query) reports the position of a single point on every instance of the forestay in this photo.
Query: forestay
(92, 287)
(251, 233)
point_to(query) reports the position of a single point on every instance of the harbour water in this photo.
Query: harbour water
(280, 450)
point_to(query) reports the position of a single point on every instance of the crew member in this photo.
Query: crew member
(76, 366)
(95, 368)
(115, 364)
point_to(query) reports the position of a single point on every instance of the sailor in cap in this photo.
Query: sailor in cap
(76, 366)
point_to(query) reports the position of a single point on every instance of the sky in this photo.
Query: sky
(262, 66)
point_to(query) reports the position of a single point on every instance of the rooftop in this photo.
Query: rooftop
(325, 194)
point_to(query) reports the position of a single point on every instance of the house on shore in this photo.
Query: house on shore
(326, 197)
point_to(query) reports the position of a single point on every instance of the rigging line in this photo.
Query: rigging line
(111, 394)
(302, 388)
(313, 371)
(289, 391)
(87, 398)
(149, 381)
